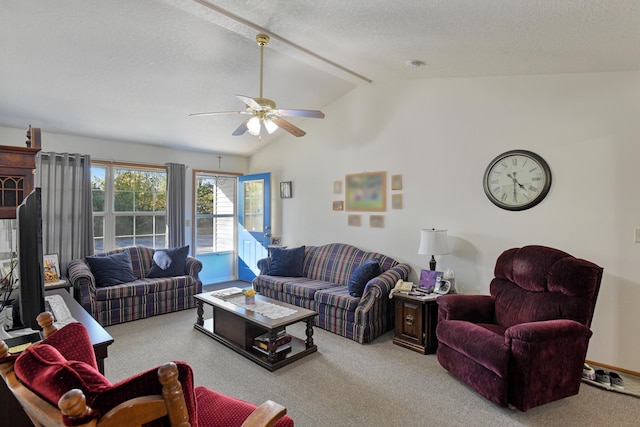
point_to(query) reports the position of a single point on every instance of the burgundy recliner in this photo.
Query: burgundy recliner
(525, 344)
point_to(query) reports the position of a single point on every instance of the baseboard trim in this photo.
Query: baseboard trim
(614, 368)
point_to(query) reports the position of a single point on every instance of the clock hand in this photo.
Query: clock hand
(515, 181)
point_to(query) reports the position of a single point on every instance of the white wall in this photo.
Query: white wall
(144, 154)
(440, 134)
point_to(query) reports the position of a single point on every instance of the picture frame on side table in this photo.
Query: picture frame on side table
(366, 192)
(51, 269)
(429, 278)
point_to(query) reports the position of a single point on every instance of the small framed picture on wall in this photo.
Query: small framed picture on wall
(337, 187)
(396, 201)
(285, 190)
(396, 182)
(376, 221)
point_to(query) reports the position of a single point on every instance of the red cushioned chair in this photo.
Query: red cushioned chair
(57, 382)
(526, 342)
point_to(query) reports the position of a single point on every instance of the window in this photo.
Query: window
(215, 213)
(254, 205)
(129, 206)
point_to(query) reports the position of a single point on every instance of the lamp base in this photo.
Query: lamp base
(432, 263)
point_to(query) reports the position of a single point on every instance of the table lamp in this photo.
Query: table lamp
(433, 242)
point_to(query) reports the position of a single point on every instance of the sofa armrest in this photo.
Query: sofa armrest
(84, 283)
(386, 281)
(472, 308)
(264, 265)
(193, 266)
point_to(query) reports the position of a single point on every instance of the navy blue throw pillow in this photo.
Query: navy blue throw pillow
(111, 269)
(361, 276)
(286, 262)
(169, 262)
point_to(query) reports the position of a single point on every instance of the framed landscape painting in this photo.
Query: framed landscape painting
(366, 192)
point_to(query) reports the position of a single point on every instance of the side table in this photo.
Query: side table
(416, 318)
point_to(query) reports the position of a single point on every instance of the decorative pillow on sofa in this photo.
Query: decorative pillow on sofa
(169, 262)
(361, 275)
(286, 262)
(112, 269)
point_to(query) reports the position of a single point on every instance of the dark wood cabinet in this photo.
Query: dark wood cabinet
(17, 166)
(415, 323)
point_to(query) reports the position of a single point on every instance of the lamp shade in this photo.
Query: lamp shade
(253, 126)
(270, 126)
(433, 242)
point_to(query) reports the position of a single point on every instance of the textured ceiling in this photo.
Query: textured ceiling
(134, 70)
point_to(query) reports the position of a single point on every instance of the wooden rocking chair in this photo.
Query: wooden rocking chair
(137, 411)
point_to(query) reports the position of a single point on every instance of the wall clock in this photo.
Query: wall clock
(517, 180)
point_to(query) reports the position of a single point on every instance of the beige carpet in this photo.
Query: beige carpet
(346, 383)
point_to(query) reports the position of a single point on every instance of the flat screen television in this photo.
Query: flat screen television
(30, 260)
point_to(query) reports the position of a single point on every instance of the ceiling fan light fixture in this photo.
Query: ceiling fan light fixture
(253, 126)
(264, 109)
(270, 126)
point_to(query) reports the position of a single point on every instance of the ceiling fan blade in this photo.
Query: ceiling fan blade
(252, 103)
(289, 127)
(300, 113)
(242, 128)
(215, 113)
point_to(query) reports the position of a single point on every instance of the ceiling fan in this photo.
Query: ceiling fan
(263, 111)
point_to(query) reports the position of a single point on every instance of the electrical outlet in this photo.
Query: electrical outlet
(636, 237)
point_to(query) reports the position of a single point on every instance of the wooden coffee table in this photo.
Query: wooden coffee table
(237, 327)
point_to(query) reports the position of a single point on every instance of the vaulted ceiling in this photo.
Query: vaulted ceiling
(135, 70)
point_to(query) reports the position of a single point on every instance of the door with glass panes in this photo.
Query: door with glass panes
(254, 223)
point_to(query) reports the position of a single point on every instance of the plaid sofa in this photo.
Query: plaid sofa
(323, 288)
(142, 298)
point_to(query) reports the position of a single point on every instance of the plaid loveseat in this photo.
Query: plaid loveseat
(324, 288)
(141, 298)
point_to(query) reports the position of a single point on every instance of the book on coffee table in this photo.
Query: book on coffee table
(262, 341)
(283, 349)
(226, 293)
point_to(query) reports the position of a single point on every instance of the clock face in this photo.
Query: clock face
(517, 180)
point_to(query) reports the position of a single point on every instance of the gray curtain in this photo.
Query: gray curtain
(67, 214)
(176, 204)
